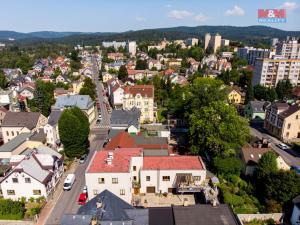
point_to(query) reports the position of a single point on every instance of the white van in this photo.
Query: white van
(69, 181)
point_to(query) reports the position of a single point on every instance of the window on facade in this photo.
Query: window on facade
(297, 117)
(10, 192)
(287, 134)
(15, 180)
(166, 178)
(27, 180)
(289, 126)
(7, 133)
(147, 178)
(95, 191)
(12, 133)
(18, 132)
(134, 178)
(196, 178)
(101, 180)
(114, 180)
(122, 191)
(134, 168)
(37, 192)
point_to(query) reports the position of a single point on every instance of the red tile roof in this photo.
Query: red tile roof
(169, 71)
(120, 162)
(121, 140)
(134, 72)
(143, 90)
(172, 163)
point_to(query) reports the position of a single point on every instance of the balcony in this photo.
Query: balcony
(186, 183)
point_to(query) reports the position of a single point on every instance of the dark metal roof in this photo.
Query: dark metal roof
(54, 117)
(113, 207)
(70, 219)
(161, 216)
(125, 117)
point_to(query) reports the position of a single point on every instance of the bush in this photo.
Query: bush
(11, 210)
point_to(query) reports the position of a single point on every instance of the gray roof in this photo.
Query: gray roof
(42, 149)
(203, 215)
(139, 140)
(114, 132)
(15, 142)
(33, 168)
(54, 117)
(139, 217)
(21, 119)
(125, 118)
(258, 106)
(114, 207)
(155, 152)
(71, 219)
(81, 101)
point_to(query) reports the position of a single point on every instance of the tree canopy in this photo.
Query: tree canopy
(284, 89)
(88, 88)
(3, 80)
(122, 73)
(141, 64)
(73, 127)
(267, 164)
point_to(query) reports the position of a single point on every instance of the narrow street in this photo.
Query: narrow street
(290, 156)
(66, 201)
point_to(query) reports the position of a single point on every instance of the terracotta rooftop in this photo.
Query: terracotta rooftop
(172, 163)
(121, 140)
(120, 162)
(143, 90)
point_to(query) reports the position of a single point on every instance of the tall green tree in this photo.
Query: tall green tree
(73, 127)
(43, 96)
(122, 73)
(284, 89)
(3, 80)
(249, 94)
(141, 64)
(227, 166)
(267, 164)
(88, 88)
(217, 129)
(205, 91)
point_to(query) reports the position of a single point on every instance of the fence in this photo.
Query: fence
(249, 217)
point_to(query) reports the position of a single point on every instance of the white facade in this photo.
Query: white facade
(289, 49)
(21, 189)
(225, 42)
(131, 46)
(269, 71)
(52, 134)
(117, 97)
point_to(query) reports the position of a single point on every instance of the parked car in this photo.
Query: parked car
(69, 181)
(296, 169)
(82, 199)
(82, 159)
(282, 146)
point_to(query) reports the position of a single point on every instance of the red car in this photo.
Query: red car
(82, 199)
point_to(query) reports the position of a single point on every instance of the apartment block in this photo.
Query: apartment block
(290, 48)
(269, 72)
(251, 54)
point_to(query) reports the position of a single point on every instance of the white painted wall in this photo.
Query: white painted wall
(21, 188)
(160, 185)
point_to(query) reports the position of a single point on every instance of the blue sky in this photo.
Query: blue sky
(124, 15)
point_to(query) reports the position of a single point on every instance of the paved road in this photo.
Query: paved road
(290, 157)
(67, 202)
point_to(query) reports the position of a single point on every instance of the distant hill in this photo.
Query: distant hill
(250, 34)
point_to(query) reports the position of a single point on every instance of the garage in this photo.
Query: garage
(150, 189)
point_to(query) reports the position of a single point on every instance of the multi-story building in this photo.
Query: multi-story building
(290, 48)
(131, 47)
(269, 71)
(115, 44)
(51, 128)
(214, 42)
(15, 123)
(142, 97)
(115, 92)
(191, 41)
(225, 42)
(251, 54)
(283, 120)
(125, 171)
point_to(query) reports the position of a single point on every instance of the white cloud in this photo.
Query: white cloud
(201, 18)
(290, 5)
(235, 11)
(179, 14)
(140, 18)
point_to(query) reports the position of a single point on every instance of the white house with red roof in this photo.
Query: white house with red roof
(126, 171)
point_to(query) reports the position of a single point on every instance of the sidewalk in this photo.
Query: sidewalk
(46, 211)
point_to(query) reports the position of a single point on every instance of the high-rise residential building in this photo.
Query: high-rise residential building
(251, 54)
(274, 42)
(290, 48)
(269, 71)
(131, 47)
(191, 41)
(214, 42)
(115, 44)
(207, 40)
